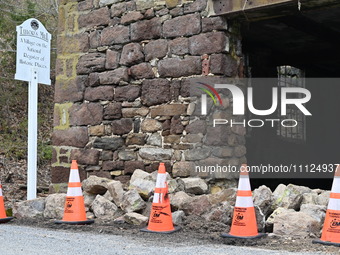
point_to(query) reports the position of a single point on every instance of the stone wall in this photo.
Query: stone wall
(122, 89)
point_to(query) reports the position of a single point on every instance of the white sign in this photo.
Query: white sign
(33, 65)
(33, 51)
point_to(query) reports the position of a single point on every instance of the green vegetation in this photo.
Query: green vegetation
(14, 94)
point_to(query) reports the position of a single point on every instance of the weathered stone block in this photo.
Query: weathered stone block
(94, 39)
(155, 153)
(183, 169)
(112, 165)
(86, 114)
(127, 93)
(135, 139)
(223, 64)
(176, 67)
(76, 137)
(182, 26)
(155, 92)
(108, 143)
(197, 154)
(118, 9)
(168, 110)
(104, 208)
(98, 130)
(135, 218)
(151, 125)
(132, 54)
(179, 46)
(214, 23)
(85, 157)
(142, 71)
(195, 185)
(131, 166)
(54, 207)
(132, 202)
(156, 49)
(146, 29)
(92, 62)
(217, 136)
(176, 126)
(99, 93)
(114, 77)
(113, 111)
(135, 112)
(95, 18)
(112, 59)
(108, 2)
(213, 42)
(70, 90)
(195, 6)
(115, 35)
(122, 126)
(131, 17)
(95, 185)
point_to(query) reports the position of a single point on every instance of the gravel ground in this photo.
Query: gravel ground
(35, 241)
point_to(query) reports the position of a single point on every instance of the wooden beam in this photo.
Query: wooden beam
(263, 9)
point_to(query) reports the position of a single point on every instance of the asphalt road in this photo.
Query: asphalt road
(17, 240)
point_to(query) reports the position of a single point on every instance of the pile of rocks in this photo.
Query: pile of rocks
(289, 210)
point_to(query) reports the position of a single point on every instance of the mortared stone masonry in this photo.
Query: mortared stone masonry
(122, 89)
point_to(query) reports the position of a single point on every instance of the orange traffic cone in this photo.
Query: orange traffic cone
(160, 220)
(74, 212)
(244, 220)
(3, 216)
(331, 227)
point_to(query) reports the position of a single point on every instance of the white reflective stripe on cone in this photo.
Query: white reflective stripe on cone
(74, 192)
(336, 185)
(0, 192)
(244, 202)
(156, 198)
(74, 175)
(334, 204)
(161, 179)
(244, 183)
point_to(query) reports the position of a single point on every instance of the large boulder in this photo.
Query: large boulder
(95, 185)
(132, 202)
(116, 191)
(318, 212)
(195, 186)
(144, 187)
(263, 198)
(289, 197)
(197, 205)
(178, 199)
(104, 208)
(271, 218)
(54, 206)
(88, 200)
(225, 195)
(29, 208)
(139, 174)
(135, 218)
(178, 217)
(296, 224)
(221, 213)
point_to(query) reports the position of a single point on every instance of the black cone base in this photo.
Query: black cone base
(177, 228)
(84, 222)
(326, 243)
(5, 220)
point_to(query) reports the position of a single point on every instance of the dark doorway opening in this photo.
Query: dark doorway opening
(308, 41)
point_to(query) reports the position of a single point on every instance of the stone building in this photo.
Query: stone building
(124, 71)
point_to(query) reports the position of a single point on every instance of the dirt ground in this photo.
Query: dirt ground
(194, 230)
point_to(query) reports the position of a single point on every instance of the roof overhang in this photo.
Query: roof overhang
(263, 9)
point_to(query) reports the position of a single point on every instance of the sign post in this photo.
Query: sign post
(33, 65)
